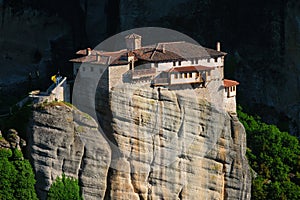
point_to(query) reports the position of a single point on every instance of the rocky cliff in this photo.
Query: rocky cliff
(159, 144)
(173, 145)
(64, 140)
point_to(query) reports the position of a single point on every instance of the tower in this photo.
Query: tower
(133, 41)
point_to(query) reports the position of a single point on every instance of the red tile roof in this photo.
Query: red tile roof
(190, 69)
(187, 50)
(230, 83)
(133, 36)
(83, 51)
(91, 58)
(113, 58)
(156, 55)
(161, 52)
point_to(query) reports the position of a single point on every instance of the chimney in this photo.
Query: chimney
(218, 46)
(88, 51)
(164, 48)
(98, 57)
(108, 60)
(133, 41)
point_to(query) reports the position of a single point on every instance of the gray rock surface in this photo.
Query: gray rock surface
(65, 140)
(163, 145)
(174, 146)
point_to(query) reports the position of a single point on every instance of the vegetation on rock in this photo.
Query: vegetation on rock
(16, 176)
(275, 157)
(64, 188)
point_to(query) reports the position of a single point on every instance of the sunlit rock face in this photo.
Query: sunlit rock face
(155, 144)
(172, 145)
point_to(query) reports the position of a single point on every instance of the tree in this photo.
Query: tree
(16, 176)
(7, 175)
(275, 156)
(64, 188)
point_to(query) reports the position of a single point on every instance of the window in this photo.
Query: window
(175, 76)
(216, 59)
(174, 63)
(179, 63)
(193, 61)
(196, 61)
(179, 75)
(208, 60)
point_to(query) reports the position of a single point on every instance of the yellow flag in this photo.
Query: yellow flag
(53, 78)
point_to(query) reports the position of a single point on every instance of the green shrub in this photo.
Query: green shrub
(274, 156)
(64, 188)
(16, 176)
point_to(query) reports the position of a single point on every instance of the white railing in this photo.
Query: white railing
(56, 92)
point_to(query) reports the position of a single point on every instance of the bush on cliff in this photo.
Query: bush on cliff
(275, 157)
(64, 188)
(16, 176)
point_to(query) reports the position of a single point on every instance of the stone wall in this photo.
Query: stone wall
(116, 75)
(56, 92)
(230, 104)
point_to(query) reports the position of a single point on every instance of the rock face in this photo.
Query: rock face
(159, 144)
(64, 140)
(173, 146)
(12, 141)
